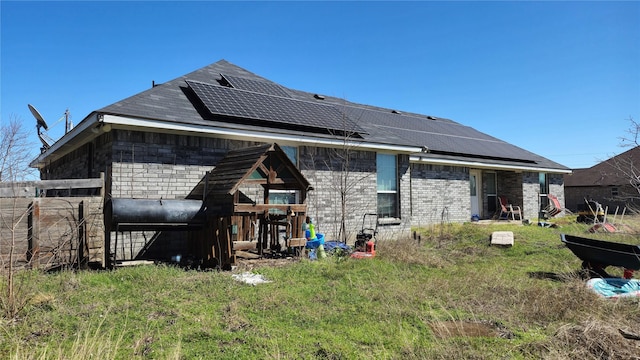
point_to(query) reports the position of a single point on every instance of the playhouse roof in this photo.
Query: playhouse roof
(265, 165)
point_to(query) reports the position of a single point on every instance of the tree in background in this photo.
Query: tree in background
(341, 171)
(627, 168)
(15, 154)
(15, 151)
(634, 135)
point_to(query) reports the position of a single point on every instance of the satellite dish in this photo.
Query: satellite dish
(44, 138)
(46, 141)
(39, 118)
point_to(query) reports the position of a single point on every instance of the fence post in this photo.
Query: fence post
(33, 233)
(82, 237)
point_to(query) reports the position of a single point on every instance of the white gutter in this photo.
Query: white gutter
(244, 134)
(105, 121)
(481, 165)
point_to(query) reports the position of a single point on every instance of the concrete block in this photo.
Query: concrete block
(504, 238)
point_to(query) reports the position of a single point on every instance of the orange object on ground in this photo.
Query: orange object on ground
(362, 255)
(371, 247)
(371, 251)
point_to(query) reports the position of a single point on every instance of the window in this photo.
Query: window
(544, 185)
(491, 191)
(473, 186)
(544, 190)
(292, 153)
(387, 170)
(284, 196)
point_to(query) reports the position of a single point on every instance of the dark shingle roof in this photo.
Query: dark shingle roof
(615, 171)
(175, 101)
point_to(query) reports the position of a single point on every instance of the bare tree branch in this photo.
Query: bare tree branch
(625, 170)
(15, 151)
(633, 135)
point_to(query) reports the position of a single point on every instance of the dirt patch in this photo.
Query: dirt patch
(447, 329)
(251, 264)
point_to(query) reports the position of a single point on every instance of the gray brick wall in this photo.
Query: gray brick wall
(154, 165)
(556, 187)
(74, 165)
(332, 176)
(510, 185)
(153, 181)
(439, 193)
(531, 193)
(357, 182)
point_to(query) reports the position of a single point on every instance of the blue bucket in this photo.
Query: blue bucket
(313, 244)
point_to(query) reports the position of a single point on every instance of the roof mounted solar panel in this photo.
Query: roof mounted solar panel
(440, 136)
(263, 87)
(238, 103)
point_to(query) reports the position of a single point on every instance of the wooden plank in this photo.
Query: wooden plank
(82, 237)
(134, 263)
(14, 231)
(262, 208)
(61, 184)
(226, 244)
(50, 235)
(247, 255)
(296, 242)
(33, 232)
(244, 245)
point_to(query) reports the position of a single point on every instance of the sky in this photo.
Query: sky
(559, 79)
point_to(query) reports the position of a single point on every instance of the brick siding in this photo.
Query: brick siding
(439, 193)
(155, 165)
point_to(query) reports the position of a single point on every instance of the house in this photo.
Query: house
(613, 183)
(409, 169)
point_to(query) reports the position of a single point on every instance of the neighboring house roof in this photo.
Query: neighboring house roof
(236, 102)
(615, 171)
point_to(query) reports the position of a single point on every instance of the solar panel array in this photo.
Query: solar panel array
(263, 87)
(414, 123)
(437, 135)
(238, 103)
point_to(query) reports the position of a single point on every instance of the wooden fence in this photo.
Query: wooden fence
(52, 232)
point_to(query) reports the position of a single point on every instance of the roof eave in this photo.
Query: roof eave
(264, 135)
(80, 134)
(487, 165)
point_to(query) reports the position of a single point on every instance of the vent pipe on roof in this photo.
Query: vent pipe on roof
(318, 96)
(431, 117)
(396, 112)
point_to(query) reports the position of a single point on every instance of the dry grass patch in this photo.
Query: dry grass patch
(409, 251)
(593, 339)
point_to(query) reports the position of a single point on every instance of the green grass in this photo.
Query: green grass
(451, 296)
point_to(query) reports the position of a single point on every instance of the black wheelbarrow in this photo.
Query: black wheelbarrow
(596, 255)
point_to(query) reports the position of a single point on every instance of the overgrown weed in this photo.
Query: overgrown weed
(450, 295)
